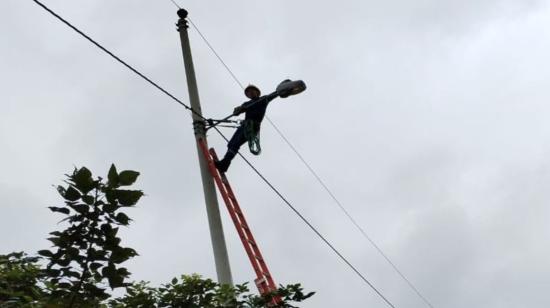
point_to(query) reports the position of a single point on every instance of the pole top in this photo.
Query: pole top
(182, 13)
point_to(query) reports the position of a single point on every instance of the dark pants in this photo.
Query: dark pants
(235, 144)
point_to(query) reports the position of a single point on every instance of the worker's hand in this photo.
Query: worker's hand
(238, 110)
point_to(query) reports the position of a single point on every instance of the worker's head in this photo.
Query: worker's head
(252, 92)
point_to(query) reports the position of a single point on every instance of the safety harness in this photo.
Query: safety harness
(252, 135)
(251, 131)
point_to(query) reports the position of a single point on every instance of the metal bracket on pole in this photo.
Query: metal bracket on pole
(199, 127)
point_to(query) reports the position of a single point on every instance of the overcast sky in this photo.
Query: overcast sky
(427, 119)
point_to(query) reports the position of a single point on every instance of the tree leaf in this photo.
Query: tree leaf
(45, 253)
(122, 218)
(64, 285)
(128, 177)
(108, 271)
(55, 240)
(130, 252)
(112, 176)
(52, 272)
(112, 242)
(94, 266)
(68, 273)
(63, 262)
(73, 252)
(128, 197)
(110, 194)
(81, 208)
(83, 180)
(110, 207)
(120, 255)
(63, 210)
(61, 190)
(89, 200)
(122, 271)
(96, 292)
(72, 194)
(96, 255)
(106, 228)
(116, 281)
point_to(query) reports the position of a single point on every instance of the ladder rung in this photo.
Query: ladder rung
(263, 283)
(260, 280)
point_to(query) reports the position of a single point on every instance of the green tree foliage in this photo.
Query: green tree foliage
(193, 291)
(88, 252)
(19, 279)
(86, 259)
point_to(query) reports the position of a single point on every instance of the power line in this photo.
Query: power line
(176, 4)
(318, 178)
(211, 47)
(285, 200)
(223, 136)
(216, 54)
(154, 84)
(353, 221)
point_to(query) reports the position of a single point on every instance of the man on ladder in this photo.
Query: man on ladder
(254, 109)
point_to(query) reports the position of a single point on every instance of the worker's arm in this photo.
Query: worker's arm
(264, 99)
(272, 96)
(238, 110)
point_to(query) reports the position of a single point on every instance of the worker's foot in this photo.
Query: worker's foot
(222, 165)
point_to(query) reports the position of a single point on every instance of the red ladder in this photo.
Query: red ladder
(264, 281)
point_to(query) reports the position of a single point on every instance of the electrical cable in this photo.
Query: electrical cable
(321, 182)
(154, 84)
(223, 136)
(353, 221)
(216, 54)
(176, 4)
(285, 200)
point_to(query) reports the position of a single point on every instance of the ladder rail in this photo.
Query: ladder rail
(232, 214)
(264, 280)
(255, 247)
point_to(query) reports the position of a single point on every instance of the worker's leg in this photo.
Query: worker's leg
(233, 146)
(235, 143)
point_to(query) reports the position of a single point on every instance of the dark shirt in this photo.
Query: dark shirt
(255, 109)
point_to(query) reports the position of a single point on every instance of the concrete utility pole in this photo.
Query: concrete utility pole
(212, 209)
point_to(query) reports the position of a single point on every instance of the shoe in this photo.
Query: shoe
(222, 165)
